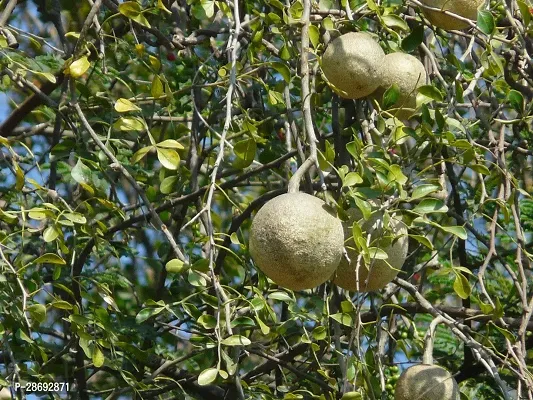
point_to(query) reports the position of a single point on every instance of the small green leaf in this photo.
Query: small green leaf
(79, 67)
(394, 21)
(414, 39)
(352, 179)
(281, 296)
(157, 89)
(207, 321)
(168, 158)
(81, 173)
(427, 206)
(242, 321)
(245, 152)
(424, 190)
(283, 70)
(207, 376)
(139, 154)
(265, 330)
(422, 240)
(98, 357)
(485, 22)
(391, 96)
(458, 231)
(75, 217)
(461, 286)
(168, 184)
(343, 318)
(170, 144)
(133, 11)
(516, 100)
(236, 340)
(524, 11)
(146, 313)
(314, 35)
(480, 169)
(234, 238)
(352, 396)
(124, 105)
(162, 7)
(377, 253)
(175, 266)
(127, 124)
(49, 258)
(320, 333)
(50, 234)
(396, 174)
(37, 312)
(432, 92)
(62, 305)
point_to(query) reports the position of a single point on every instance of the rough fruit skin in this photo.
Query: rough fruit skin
(297, 241)
(464, 8)
(409, 74)
(351, 63)
(426, 382)
(380, 273)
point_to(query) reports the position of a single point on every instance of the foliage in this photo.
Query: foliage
(139, 139)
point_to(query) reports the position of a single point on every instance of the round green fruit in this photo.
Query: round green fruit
(352, 62)
(408, 74)
(297, 241)
(464, 8)
(378, 274)
(426, 382)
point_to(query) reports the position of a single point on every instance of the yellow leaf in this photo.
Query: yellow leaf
(124, 105)
(79, 67)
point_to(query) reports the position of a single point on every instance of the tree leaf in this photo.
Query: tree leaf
(245, 152)
(461, 286)
(168, 184)
(139, 154)
(516, 100)
(422, 240)
(50, 234)
(424, 190)
(81, 173)
(157, 87)
(75, 217)
(236, 340)
(343, 318)
(391, 96)
(485, 22)
(49, 258)
(168, 158)
(458, 231)
(394, 21)
(414, 39)
(207, 376)
(124, 105)
(37, 312)
(127, 124)
(427, 206)
(175, 266)
(98, 357)
(79, 67)
(431, 91)
(170, 144)
(146, 313)
(352, 179)
(314, 35)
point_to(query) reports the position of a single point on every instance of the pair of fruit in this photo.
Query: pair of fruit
(357, 66)
(298, 242)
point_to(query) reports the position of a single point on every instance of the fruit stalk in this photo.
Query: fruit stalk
(294, 183)
(430, 339)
